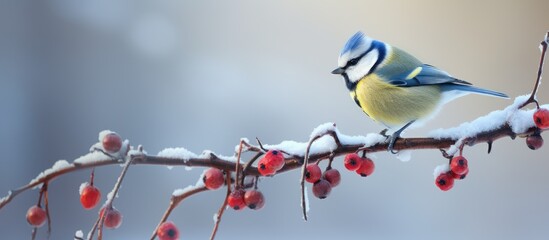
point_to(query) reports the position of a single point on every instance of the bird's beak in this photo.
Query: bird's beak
(338, 71)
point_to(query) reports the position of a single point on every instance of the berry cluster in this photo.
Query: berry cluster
(363, 166)
(458, 170)
(322, 182)
(252, 198)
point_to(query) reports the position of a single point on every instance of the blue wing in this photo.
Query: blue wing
(424, 75)
(429, 75)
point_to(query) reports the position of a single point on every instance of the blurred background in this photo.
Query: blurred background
(203, 74)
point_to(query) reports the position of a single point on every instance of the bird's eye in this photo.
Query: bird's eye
(353, 62)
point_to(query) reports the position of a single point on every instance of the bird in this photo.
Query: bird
(394, 88)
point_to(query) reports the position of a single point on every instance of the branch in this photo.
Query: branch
(293, 161)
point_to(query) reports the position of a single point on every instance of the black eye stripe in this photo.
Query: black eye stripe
(354, 61)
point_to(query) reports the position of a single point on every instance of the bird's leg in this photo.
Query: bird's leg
(395, 136)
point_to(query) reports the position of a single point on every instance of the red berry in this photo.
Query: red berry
(444, 181)
(113, 219)
(275, 159)
(534, 142)
(236, 199)
(112, 142)
(459, 177)
(312, 173)
(213, 178)
(332, 176)
(541, 118)
(36, 216)
(366, 168)
(167, 231)
(254, 199)
(270, 163)
(352, 161)
(89, 196)
(458, 165)
(322, 189)
(265, 168)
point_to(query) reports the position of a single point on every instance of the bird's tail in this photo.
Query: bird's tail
(471, 89)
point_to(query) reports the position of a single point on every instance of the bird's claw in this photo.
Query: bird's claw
(392, 140)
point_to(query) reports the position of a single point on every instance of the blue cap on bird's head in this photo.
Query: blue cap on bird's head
(356, 46)
(353, 43)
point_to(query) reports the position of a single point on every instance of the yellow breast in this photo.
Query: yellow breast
(394, 106)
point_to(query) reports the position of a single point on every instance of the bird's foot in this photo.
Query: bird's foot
(392, 140)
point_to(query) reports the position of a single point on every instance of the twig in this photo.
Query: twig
(222, 208)
(248, 165)
(108, 203)
(47, 207)
(237, 168)
(543, 49)
(33, 233)
(303, 171)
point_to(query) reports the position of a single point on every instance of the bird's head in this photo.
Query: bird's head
(357, 58)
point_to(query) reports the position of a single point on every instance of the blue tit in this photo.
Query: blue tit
(395, 88)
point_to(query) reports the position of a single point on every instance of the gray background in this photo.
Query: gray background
(204, 74)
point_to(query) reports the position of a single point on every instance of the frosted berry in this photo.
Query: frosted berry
(312, 173)
(541, 118)
(36, 216)
(444, 181)
(113, 218)
(534, 142)
(458, 165)
(254, 199)
(213, 178)
(332, 176)
(167, 231)
(236, 199)
(352, 161)
(89, 196)
(459, 176)
(112, 142)
(275, 159)
(265, 168)
(366, 168)
(322, 189)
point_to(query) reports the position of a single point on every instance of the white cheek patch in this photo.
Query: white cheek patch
(363, 67)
